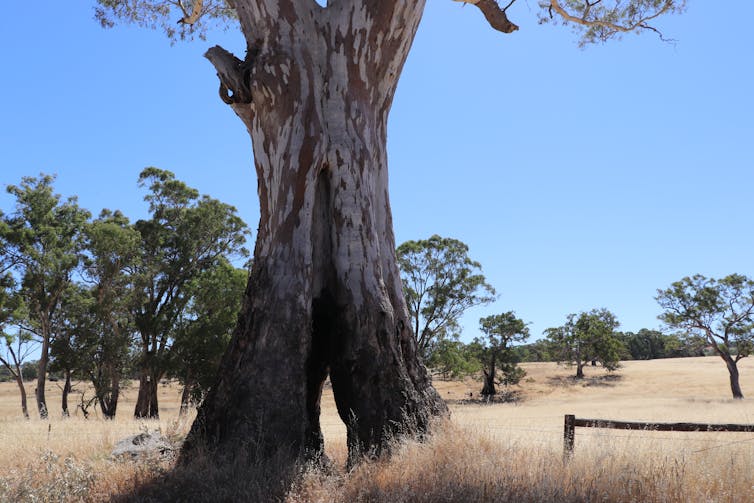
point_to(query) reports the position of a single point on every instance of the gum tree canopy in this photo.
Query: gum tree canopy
(314, 90)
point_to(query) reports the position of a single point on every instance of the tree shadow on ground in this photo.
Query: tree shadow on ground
(607, 380)
(503, 396)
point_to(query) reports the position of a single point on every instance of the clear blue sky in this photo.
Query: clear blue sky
(579, 178)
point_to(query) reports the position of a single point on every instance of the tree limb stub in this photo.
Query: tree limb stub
(495, 15)
(233, 74)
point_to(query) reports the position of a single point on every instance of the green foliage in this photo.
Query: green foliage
(452, 358)
(207, 326)
(42, 239)
(495, 350)
(440, 282)
(588, 337)
(186, 236)
(603, 20)
(651, 344)
(141, 283)
(542, 350)
(719, 311)
(169, 16)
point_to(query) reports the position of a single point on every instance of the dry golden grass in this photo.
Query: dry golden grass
(489, 452)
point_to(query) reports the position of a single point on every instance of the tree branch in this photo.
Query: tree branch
(193, 16)
(495, 15)
(610, 27)
(233, 74)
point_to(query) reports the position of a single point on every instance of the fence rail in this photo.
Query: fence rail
(572, 422)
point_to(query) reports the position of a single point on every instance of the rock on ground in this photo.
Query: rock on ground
(146, 444)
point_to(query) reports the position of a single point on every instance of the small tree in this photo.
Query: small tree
(440, 282)
(588, 337)
(71, 320)
(206, 329)
(113, 249)
(496, 349)
(720, 311)
(43, 240)
(17, 345)
(185, 236)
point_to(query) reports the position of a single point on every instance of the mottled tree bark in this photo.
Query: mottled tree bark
(324, 295)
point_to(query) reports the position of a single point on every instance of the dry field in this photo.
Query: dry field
(488, 452)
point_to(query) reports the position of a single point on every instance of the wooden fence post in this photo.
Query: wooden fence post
(569, 433)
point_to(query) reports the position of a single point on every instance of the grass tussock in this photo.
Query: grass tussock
(462, 465)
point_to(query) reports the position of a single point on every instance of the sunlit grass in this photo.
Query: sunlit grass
(488, 452)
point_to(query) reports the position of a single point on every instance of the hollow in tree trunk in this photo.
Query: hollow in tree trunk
(324, 294)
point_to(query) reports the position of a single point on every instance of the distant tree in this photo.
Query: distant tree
(440, 282)
(720, 311)
(71, 321)
(651, 344)
(185, 236)
(112, 256)
(496, 349)
(644, 344)
(17, 345)
(451, 358)
(588, 337)
(542, 350)
(43, 240)
(206, 329)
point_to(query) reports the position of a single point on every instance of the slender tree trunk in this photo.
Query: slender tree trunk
(186, 397)
(324, 293)
(108, 399)
(579, 369)
(735, 387)
(146, 402)
(66, 391)
(22, 390)
(39, 392)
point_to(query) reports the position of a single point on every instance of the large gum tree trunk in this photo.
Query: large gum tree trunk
(324, 294)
